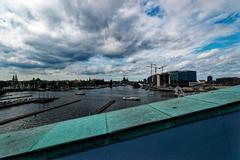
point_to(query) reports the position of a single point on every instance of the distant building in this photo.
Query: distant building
(125, 80)
(228, 81)
(14, 82)
(159, 80)
(98, 81)
(209, 79)
(202, 81)
(182, 78)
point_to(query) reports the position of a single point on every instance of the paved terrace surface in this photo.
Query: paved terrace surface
(89, 132)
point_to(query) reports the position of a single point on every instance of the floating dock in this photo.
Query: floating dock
(18, 102)
(103, 108)
(27, 96)
(180, 128)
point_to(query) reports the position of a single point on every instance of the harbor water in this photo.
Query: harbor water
(92, 101)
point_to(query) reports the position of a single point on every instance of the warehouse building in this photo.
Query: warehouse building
(228, 81)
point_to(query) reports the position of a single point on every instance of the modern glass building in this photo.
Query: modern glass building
(183, 78)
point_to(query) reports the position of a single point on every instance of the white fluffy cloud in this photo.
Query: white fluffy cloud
(208, 54)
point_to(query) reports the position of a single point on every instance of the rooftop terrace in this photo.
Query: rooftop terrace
(90, 132)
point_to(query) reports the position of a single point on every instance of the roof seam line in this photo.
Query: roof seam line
(106, 123)
(202, 100)
(41, 138)
(160, 111)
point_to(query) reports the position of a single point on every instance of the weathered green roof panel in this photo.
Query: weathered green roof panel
(230, 89)
(181, 106)
(217, 97)
(73, 130)
(14, 143)
(132, 117)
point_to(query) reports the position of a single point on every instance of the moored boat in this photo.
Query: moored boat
(131, 98)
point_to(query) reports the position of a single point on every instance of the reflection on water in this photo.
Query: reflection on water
(88, 105)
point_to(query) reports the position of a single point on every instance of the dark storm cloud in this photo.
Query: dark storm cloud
(95, 26)
(53, 51)
(89, 73)
(22, 65)
(91, 15)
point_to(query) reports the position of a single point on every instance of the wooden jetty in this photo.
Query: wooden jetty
(103, 108)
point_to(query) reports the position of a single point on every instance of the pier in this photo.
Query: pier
(103, 108)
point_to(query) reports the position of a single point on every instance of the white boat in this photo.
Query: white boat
(132, 98)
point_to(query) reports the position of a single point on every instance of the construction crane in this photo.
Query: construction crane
(154, 66)
(162, 67)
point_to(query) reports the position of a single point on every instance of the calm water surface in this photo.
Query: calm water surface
(88, 105)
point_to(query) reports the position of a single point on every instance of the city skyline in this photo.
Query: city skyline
(107, 39)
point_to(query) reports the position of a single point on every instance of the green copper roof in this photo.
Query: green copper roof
(181, 106)
(72, 130)
(126, 118)
(102, 129)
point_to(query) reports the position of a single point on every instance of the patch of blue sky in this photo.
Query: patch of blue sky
(221, 43)
(152, 9)
(230, 19)
(144, 2)
(155, 11)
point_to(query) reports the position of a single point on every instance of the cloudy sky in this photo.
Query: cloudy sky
(73, 39)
